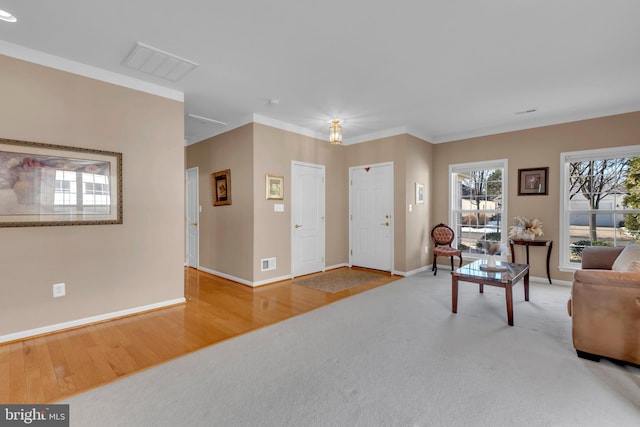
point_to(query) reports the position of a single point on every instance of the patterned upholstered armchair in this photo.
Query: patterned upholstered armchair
(442, 236)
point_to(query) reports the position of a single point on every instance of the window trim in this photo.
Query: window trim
(564, 263)
(487, 164)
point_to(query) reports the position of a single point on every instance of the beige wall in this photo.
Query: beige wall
(273, 152)
(233, 239)
(390, 149)
(418, 223)
(527, 149)
(412, 162)
(226, 232)
(275, 149)
(106, 268)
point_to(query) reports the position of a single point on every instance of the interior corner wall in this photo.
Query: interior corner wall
(419, 171)
(226, 236)
(274, 151)
(531, 148)
(390, 149)
(106, 268)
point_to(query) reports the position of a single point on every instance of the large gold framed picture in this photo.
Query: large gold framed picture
(47, 185)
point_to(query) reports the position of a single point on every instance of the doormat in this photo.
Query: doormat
(338, 280)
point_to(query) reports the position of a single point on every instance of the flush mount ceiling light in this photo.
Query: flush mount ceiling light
(6, 16)
(335, 132)
(158, 63)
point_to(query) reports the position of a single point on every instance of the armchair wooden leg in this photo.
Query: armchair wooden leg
(435, 265)
(451, 263)
(460, 260)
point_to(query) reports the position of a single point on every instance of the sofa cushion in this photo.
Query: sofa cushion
(635, 266)
(628, 255)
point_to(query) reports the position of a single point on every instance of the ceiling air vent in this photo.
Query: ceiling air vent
(158, 63)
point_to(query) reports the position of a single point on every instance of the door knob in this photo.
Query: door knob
(386, 224)
(195, 224)
(297, 226)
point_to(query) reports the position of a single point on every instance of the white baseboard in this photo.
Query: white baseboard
(261, 282)
(88, 320)
(333, 267)
(272, 280)
(244, 281)
(412, 272)
(226, 276)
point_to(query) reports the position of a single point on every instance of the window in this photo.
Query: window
(601, 195)
(478, 204)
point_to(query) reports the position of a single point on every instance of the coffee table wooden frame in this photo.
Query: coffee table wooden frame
(502, 279)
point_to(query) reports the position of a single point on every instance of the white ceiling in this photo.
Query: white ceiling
(439, 70)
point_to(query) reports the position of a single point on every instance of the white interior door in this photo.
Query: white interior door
(371, 206)
(307, 218)
(192, 217)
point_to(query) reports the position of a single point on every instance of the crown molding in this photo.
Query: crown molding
(78, 68)
(549, 121)
(257, 118)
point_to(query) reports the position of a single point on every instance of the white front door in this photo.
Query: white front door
(192, 217)
(371, 208)
(307, 218)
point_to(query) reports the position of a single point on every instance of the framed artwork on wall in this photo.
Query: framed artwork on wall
(533, 181)
(49, 185)
(419, 194)
(274, 187)
(221, 187)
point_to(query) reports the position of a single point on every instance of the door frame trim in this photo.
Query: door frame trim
(392, 200)
(323, 168)
(186, 223)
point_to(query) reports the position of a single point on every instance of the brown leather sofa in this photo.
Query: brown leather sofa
(605, 306)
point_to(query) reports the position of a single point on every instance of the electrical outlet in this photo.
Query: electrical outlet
(58, 290)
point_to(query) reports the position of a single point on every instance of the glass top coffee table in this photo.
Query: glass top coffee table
(504, 275)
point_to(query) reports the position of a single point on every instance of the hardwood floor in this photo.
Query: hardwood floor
(49, 368)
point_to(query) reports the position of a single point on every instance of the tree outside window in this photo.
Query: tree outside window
(602, 199)
(478, 203)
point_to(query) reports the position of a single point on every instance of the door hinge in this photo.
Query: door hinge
(351, 252)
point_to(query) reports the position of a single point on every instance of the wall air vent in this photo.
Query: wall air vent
(268, 264)
(158, 63)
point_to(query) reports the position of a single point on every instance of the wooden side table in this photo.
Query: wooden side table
(526, 244)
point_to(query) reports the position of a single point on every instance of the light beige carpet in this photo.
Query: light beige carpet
(394, 356)
(337, 280)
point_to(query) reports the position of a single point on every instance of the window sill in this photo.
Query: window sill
(568, 269)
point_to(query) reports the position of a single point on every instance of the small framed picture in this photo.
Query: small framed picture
(275, 187)
(221, 187)
(419, 194)
(533, 182)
